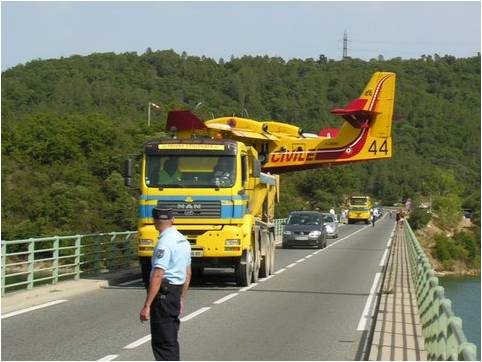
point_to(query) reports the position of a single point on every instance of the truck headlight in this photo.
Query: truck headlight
(232, 242)
(145, 242)
(287, 232)
(314, 233)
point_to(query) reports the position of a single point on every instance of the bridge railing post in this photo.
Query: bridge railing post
(31, 260)
(55, 261)
(4, 263)
(78, 247)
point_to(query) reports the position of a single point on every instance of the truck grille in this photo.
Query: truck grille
(194, 210)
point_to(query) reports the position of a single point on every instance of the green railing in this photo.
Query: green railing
(31, 262)
(279, 226)
(441, 329)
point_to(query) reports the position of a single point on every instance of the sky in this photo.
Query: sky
(33, 30)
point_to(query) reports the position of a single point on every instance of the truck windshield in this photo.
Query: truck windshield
(358, 201)
(190, 171)
(360, 209)
(304, 219)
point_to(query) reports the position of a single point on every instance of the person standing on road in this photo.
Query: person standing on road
(375, 216)
(169, 283)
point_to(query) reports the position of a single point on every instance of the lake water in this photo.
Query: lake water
(465, 296)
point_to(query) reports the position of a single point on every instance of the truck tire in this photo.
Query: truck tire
(367, 222)
(273, 250)
(266, 259)
(265, 264)
(257, 261)
(197, 272)
(145, 263)
(244, 270)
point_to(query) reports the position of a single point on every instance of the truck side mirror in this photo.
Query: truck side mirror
(256, 168)
(128, 172)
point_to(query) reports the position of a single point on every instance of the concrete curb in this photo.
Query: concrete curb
(28, 298)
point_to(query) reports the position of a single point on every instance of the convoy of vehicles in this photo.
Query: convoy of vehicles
(217, 177)
(304, 228)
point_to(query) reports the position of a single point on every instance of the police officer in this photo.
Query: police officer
(169, 283)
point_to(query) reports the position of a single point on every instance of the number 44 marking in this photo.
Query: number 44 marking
(383, 148)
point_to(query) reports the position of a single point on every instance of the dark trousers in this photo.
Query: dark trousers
(165, 322)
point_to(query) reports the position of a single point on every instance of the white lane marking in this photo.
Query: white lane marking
(384, 258)
(346, 237)
(248, 287)
(368, 310)
(300, 260)
(316, 252)
(308, 256)
(138, 342)
(263, 279)
(291, 265)
(389, 243)
(109, 357)
(131, 282)
(223, 299)
(280, 271)
(21, 311)
(195, 314)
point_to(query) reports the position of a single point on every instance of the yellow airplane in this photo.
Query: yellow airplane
(364, 135)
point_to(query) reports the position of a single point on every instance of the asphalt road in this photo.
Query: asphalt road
(311, 309)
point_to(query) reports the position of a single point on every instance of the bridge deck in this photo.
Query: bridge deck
(398, 332)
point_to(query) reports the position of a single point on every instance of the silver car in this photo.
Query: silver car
(331, 225)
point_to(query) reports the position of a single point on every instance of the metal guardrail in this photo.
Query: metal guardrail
(442, 330)
(279, 226)
(28, 263)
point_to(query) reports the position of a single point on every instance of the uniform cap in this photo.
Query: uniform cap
(162, 213)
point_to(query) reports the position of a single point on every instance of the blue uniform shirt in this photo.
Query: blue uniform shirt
(173, 255)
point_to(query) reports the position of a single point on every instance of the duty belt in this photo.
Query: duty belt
(166, 287)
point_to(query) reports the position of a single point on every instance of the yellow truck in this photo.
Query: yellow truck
(218, 177)
(360, 209)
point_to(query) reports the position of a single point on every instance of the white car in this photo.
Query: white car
(331, 224)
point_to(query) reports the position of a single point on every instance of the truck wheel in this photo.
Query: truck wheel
(145, 263)
(367, 222)
(265, 264)
(256, 264)
(197, 272)
(243, 270)
(273, 250)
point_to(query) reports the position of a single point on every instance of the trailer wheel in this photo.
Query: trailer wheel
(272, 251)
(145, 263)
(197, 272)
(256, 261)
(244, 269)
(265, 264)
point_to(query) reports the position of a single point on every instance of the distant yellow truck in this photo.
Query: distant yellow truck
(360, 209)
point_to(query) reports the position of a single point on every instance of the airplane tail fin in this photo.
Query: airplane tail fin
(374, 108)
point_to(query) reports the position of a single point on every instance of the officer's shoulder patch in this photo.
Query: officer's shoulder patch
(160, 253)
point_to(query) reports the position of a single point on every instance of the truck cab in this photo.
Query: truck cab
(360, 209)
(212, 188)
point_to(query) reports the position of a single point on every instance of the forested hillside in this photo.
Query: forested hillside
(68, 124)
